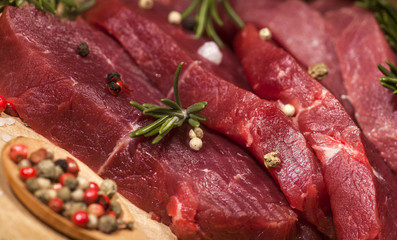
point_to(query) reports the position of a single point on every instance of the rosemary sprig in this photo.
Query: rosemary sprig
(168, 117)
(390, 79)
(70, 8)
(386, 15)
(207, 13)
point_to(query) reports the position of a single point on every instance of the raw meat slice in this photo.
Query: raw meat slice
(324, 6)
(218, 192)
(336, 140)
(261, 127)
(215, 193)
(301, 181)
(303, 32)
(386, 183)
(126, 20)
(360, 45)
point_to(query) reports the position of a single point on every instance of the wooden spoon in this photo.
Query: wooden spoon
(50, 217)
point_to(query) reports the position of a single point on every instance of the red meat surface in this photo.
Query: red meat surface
(256, 124)
(134, 28)
(336, 140)
(216, 193)
(360, 45)
(303, 32)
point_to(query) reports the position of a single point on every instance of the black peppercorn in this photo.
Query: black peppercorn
(114, 87)
(83, 49)
(189, 23)
(62, 163)
(113, 77)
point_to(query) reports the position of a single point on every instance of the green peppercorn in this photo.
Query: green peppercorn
(115, 207)
(71, 183)
(44, 183)
(107, 224)
(46, 169)
(189, 23)
(71, 207)
(130, 225)
(58, 173)
(24, 163)
(64, 193)
(83, 183)
(44, 195)
(32, 185)
(83, 49)
(77, 195)
(109, 187)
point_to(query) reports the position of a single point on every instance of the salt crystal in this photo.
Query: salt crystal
(211, 52)
(2, 122)
(5, 137)
(10, 121)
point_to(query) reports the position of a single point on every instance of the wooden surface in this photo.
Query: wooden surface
(18, 223)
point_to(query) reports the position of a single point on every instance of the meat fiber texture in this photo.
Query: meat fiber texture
(386, 183)
(336, 140)
(256, 124)
(360, 45)
(216, 193)
(303, 32)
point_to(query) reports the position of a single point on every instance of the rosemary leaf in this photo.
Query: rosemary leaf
(148, 128)
(168, 117)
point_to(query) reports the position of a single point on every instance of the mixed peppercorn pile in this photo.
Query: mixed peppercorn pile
(57, 184)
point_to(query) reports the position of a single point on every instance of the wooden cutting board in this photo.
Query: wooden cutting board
(17, 223)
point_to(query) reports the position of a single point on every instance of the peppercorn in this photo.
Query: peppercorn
(271, 160)
(71, 183)
(56, 204)
(318, 71)
(44, 183)
(10, 109)
(174, 17)
(77, 195)
(113, 77)
(58, 173)
(72, 166)
(104, 201)
(64, 176)
(83, 183)
(195, 143)
(3, 103)
(108, 187)
(130, 225)
(32, 185)
(56, 187)
(80, 218)
(44, 195)
(115, 207)
(18, 152)
(46, 169)
(199, 132)
(96, 209)
(50, 154)
(90, 196)
(94, 186)
(62, 163)
(92, 221)
(115, 87)
(71, 208)
(24, 163)
(107, 224)
(146, 4)
(28, 172)
(64, 193)
(38, 155)
(189, 23)
(83, 49)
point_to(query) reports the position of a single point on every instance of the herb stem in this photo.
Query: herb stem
(176, 80)
(233, 14)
